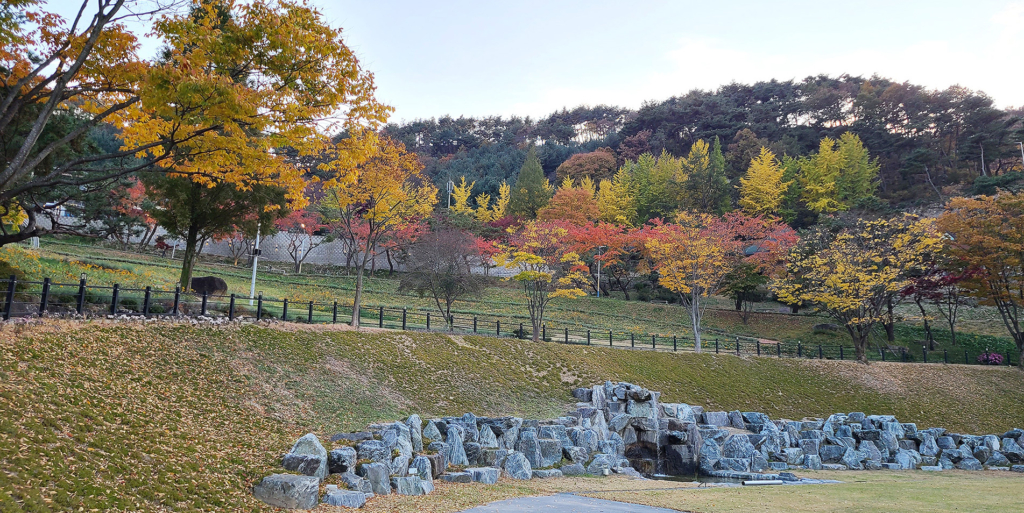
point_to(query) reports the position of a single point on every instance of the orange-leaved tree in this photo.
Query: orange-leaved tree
(543, 265)
(233, 85)
(986, 242)
(692, 257)
(387, 192)
(575, 205)
(612, 252)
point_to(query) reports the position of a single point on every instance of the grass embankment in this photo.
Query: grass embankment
(178, 417)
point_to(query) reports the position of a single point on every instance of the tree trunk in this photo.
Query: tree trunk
(739, 301)
(890, 324)
(359, 291)
(391, 265)
(927, 327)
(695, 321)
(188, 260)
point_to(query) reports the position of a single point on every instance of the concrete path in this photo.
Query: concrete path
(564, 503)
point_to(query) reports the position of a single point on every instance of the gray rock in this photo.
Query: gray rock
(601, 465)
(415, 425)
(685, 413)
(484, 475)
(576, 454)
(908, 460)
(472, 452)
(982, 452)
(341, 460)
(679, 460)
(455, 452)
(832, 453)
(893, 444)
(457, 477)
(738, 446)
(1017, 468)
(556, 432)
(932, 468)
(545, 474)
(997, 460)
(734, 464)
(378, 475)
(945, 442)
(969, 464)
(716, 418)
(588, 440)
(399, 466)
(626, 471)
(598, 397)
(1012, 450)
(619, 422)
(573, 469)
(310, 445)
(424, 469)
(810, 447)
(430, 431)
(530, 447)
(793, 456)
(870, 451)
(487, 438)
(410, 485)
(517, 466)
(353, 437)
(991, 441)
(551, 451)
(710, 453)
(305, 464)
(493, 457)
(356, 483)
(288, 491)
(736, 420)
(812, 462)
(373, 450)
(344, 498)
(758, 463)
(852, 459)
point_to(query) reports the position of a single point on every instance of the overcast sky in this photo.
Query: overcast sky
(531, 57)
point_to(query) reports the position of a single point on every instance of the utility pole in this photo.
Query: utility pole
(255, 258)
(599, 260)
(451, 186)
(1021, 153)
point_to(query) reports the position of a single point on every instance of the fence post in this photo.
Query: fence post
(737, 346)
(114, 299)
(965, 358)
(380, 318)
(841, 351)
(759, 347)
(716, 344)
(1007, 358)
(231, 307)
(46, 296)
(474, 324)
(632, 340)
(924, 353)
(284, 309)
(521, 334)
(543, 331)
(334, 313)
(610, 338)
(497, 328)
(945, 356)
(10, 296)
(588, 337)
(309, 315)
(428, 321)
(882, 350)
(654, 341)
(675, 345)
(821, 354)
(779, 349)
(145, 301)
(81, 296)
(566, 335)
(799, 349)
(903, 350)
(404, 312)
(259, 307)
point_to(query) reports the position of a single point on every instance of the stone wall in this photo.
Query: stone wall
(625, 429)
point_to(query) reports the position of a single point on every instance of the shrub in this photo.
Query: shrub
(988, 358)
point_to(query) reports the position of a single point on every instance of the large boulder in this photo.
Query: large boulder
(310, 445)
(424, 469)
(679, 460)
(547, 473)
(410, 485)
(305, 464)
(517, 466)
(852, 459)
(455, 453)
(576, 454)
(556, 432)
(415, 431)
(738, 446)
(344, 498)
(373, 450)
(530, 447)
(354, 482)
(431, 432)
(473, 451)
(288, 491)
(378, 474)
(573, 469)
(341, 460)
(550, 451)
(997, 460)
(710, 453)
(484, 475)
(716, 418)
(1012, 450)
(601, 465)
(487, 438)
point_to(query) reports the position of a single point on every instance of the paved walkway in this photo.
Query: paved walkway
(564, 503)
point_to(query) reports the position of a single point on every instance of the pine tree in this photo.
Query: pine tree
(706, 184)
(532, 190)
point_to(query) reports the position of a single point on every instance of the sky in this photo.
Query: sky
(530, 58)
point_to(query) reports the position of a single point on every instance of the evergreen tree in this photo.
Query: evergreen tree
(706, 184)
(532, 190)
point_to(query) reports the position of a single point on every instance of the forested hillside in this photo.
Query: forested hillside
(929, 144)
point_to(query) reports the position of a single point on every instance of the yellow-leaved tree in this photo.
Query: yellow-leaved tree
(838, 176)
(856, 274)
(234, 85)
(615, 202)
(387, 192)
(461, 193)
(762, 189)
(539, 255)
(692, 257)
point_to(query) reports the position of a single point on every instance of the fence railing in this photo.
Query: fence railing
(49, 298)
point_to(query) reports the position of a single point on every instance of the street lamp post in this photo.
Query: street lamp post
(1021, 151)
(599, 260)
(255, 257)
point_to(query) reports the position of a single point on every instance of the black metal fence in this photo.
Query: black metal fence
(49, 298)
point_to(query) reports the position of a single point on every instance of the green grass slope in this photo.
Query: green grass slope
(185, 418)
